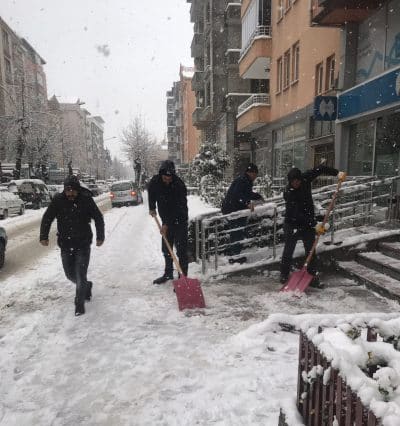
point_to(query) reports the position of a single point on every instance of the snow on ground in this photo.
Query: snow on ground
(134, 359)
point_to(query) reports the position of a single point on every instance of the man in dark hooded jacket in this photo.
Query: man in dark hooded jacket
(300, 220)
(168, 193)
(240, 196)
(74, 209)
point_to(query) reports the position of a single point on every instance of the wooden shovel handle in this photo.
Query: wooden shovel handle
(171, 252)
(326, 217)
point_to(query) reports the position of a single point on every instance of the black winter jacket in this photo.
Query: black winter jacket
(171, 200)
(299, 203)
(73, 220)
(239, 195)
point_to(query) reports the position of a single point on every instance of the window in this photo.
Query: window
(288, 4)
(286, 69)
(279, 75)
(319, 77)
(295, 62)
(7, 64)
(330, 73)
(280, 9)
(6, 43)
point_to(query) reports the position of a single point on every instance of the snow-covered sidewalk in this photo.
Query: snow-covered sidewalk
(134, 359)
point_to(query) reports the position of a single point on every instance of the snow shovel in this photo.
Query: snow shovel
(188, 290)
(300, 280)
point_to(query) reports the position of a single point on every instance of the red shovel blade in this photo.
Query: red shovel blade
(298, 281)
(189, 294)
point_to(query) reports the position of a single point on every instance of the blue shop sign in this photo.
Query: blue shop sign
(325, 108)
(380, 92)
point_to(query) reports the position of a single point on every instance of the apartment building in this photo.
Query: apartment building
(23, 90)
(174, 123)
(96, 153)
(289, 63)
(190, 136)
(219, 89)
(368, 112)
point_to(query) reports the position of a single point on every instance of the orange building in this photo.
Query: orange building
(190, 136)
(290, 62)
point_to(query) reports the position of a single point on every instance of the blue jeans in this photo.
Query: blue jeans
(75, 263)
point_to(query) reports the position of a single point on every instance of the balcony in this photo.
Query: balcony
(198, 81)
(197, 50)
(338, 12)
(232, 57)
(254, 113)
(232, 14)
(202, 117)
(196, 10)
(255, 57)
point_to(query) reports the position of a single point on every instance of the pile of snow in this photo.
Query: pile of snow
(371, 369)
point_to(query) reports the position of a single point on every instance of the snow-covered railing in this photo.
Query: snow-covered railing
(254, 100)
(349, 373)
(360, 202)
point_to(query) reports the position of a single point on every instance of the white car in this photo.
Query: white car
(10, 204)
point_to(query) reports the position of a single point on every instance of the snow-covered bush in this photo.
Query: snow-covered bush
(208, 169)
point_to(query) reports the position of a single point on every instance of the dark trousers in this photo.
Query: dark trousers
(75, 263)
(239, 234)
(177, 235)
(292, 235)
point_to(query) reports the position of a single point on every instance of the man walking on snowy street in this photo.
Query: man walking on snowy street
(300, 223)
(74, 209)
(240, 196)
(168, 192)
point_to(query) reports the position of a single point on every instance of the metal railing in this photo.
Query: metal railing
(253, 100)
(361, 202)
(259, 31)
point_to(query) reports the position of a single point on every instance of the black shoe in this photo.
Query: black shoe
(283, 279)
(79, 308)
(316, 283)
(88, 294)
(163, 279)
(240, 260)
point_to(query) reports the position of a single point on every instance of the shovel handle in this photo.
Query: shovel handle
(171, 252)
(326, 217)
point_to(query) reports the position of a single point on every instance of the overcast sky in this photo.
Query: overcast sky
(118, 56)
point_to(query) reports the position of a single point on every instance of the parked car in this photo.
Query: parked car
(10, 204)
(93, 187)
(102, 185)
(33, 192)
(3, 245)
(125, 192)
(54, 189)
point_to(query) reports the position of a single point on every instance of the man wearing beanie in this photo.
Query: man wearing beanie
(300, 220)
(168, 194)
(74, 209)
(240, 196)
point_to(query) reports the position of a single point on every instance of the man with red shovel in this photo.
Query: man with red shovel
(300, 223)
(168, 192)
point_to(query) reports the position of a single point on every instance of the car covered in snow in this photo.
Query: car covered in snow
(10, 204)
(33, 192)
(124, 193)
(3, 245)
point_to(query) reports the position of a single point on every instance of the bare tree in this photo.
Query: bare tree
(139, 146)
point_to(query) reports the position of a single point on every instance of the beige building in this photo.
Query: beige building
(293, 62)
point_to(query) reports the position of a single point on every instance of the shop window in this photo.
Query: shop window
(319, 78)
(387, 145)
(324, 153)
(361, 148)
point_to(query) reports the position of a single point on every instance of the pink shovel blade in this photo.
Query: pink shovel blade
(298, 281)
(189, 294)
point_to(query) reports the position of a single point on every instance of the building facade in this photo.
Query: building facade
(291, 62)
(368, 125)
(219, 89)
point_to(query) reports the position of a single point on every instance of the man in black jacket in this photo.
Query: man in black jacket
(168, 192)
(74, 209)
(300, 220)
(240, 196)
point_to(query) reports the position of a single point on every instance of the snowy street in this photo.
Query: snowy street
(133, 358)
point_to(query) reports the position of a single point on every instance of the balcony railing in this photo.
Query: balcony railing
(197, 45)
(254, 100)
(198, 80)
(260, 31)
